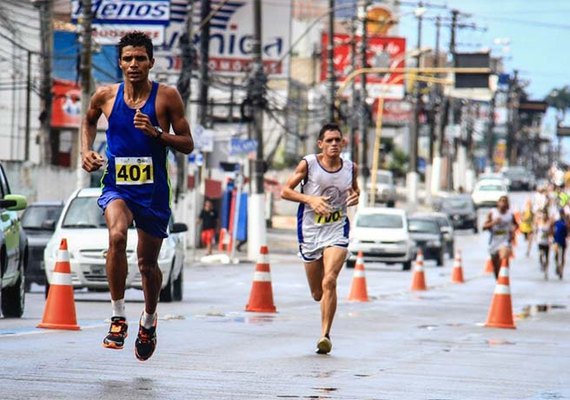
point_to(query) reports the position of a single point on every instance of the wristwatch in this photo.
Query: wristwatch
(159, 132)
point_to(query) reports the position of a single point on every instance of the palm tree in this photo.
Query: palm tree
(560, 100)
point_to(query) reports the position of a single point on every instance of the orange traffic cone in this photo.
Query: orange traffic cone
(489, 269)
(358, 291)
(457, 272)
(501, 311)
(419, 280)
(60, 305)
(261, 295)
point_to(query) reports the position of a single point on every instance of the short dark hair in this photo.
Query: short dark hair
(330, 126)
(136, 39)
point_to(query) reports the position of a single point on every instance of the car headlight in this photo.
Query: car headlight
(433, 243)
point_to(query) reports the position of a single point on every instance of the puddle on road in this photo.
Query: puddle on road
(428, 327)
(531, 310)
(499, 342)
(431, 297)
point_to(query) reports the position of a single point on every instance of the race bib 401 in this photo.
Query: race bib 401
(133, 170)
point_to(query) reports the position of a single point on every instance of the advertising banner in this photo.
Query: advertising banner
(112, 18)
(231, 37)
(385, 52)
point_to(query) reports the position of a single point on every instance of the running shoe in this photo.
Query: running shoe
(146, 342)
(324, 345)
(115, 339)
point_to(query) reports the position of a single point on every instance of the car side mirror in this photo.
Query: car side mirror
(178, 227)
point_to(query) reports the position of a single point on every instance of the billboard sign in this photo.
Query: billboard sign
(231, 37)
(113, 18)
(388, 52)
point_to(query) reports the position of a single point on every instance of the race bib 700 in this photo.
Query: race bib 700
(133, 170)
(333, 217)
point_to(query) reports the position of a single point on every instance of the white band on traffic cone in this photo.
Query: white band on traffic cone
(62, 255)
(60, 278)
(262, 276)
(358, 273)
(502, 289)
(263, 259)
(504, 272)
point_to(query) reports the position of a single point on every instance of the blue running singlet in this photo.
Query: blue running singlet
(137, 165)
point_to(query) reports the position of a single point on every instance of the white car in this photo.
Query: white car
(382, 235)
(385, 188)
(83, 225)
(487, 192)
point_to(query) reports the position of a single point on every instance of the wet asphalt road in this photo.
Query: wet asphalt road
(400, 345)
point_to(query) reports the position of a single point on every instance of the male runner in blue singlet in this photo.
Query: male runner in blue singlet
(136, 187)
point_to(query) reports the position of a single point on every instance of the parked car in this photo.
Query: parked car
(385, 188)
(460, 210)
(38, 221)
(446, 228)
(13, 251)
(519, 178)
(84, 227)
(382, 236)
(487, 192)
(425, 231)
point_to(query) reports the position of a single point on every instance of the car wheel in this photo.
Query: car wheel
(391, 203)
(13, 298)
(47, 290)
(407, 265)
(350, 263)
(167, 294)
(451, 250)
(475, 228)
(179, 286)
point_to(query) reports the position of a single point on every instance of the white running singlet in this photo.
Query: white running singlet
(316, 232)
(500, 233)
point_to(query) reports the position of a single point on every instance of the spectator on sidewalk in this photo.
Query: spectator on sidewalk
(208, 221)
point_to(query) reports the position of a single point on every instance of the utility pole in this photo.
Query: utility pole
(363, 121)
(257, 235)
(513, 104)
(46, 28)
(412, 177)
(189, 206)
(28, 103)
(85, 73)
(490, 133)
(354, 97)
(205, 10)
(330, 54)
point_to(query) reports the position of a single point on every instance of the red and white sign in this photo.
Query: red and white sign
(396, 112)
(387, 52)
(66, 105)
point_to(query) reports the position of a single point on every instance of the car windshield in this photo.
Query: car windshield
(39, 217)
(380, 221)
(423, 226)
(384, 178)
(491, 188)
(83, 212)
(457, 204)
(518, 172)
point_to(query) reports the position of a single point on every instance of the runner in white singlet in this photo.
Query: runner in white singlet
(501, 223)
(328, 187)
